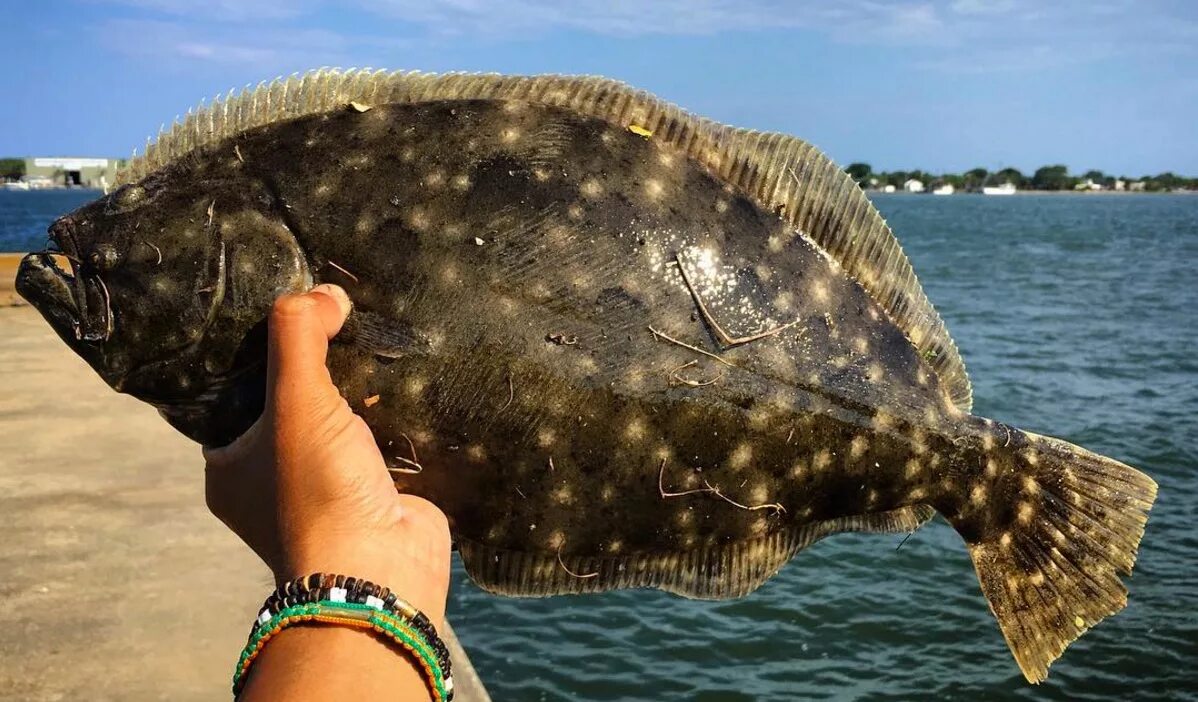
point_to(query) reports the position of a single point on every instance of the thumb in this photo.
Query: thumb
(300, 327)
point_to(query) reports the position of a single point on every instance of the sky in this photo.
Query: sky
(939, 85)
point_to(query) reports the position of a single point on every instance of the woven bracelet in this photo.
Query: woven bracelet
(340, 600)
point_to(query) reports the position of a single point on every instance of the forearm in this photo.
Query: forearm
(323, 662)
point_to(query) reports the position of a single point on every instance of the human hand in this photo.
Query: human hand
(306, 487)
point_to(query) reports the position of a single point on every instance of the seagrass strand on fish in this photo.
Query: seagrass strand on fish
(626, 346)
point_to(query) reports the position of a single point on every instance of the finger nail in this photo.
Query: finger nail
(337, 293)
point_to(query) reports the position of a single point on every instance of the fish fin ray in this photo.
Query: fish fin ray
(1048, 579)
(713, 573)
(780, 173)
(381, 336)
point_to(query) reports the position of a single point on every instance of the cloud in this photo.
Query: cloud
(982, 7)
(175, 45)
(969, 36)
(223, 10)
(849, 20)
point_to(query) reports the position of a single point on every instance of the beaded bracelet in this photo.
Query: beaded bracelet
(347, 601)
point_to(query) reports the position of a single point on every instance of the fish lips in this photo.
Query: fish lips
(55, 294)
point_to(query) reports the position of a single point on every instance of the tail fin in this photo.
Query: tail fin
(1049, 563)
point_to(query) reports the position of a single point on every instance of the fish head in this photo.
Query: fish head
(164, 292)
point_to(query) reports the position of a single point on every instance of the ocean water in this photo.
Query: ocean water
(1077, 317)
(24, 215)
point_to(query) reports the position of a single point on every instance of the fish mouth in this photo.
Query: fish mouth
(76, 303)
(50, 289)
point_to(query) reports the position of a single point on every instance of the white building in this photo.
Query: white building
(943, 189)
(1088, 184)
(888, 188)
(913, 186)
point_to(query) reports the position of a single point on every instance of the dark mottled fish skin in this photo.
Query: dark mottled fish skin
(581, 224)
(540, 304)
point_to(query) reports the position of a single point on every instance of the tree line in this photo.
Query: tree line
(1055, 177)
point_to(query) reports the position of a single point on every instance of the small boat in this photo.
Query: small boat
(1004, 189)
(943, 189)
(15, 185)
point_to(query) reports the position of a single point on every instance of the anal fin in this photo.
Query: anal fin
(711, 573)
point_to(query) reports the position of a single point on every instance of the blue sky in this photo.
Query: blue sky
(942, 85)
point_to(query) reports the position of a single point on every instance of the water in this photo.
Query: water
(24, 215)
(1077, 317)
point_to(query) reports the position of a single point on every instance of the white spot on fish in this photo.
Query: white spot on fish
(563, 495)
(449, 274)
(415, 385)
(591, 188)
(418, 219)
(798, 470)
(740, 456)
(654, 189)
(434, 178)
(913, 469)
(857, 447)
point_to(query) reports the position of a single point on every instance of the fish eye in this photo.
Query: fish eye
(104, 257)
(125, 199)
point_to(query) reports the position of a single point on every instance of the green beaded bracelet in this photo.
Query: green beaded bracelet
(361, 616)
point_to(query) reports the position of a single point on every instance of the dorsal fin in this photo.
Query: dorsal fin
(781, 173)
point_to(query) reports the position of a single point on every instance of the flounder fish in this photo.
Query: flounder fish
(620, 345)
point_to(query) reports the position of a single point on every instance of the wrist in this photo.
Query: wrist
(322, 662)
(376, 562)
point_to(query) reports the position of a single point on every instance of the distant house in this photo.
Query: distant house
(888, 188)
(1088, 184)
(1137, 186)
(913, 185)
(1120, 184)
(943, 189)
